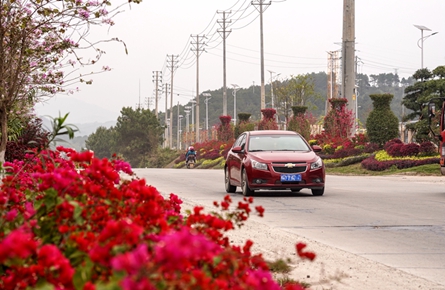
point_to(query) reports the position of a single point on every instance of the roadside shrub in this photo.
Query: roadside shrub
(225, 129)
(392, 142)
(395, 150)
(330, 163)
(33, 136)
(372, 147)
(346, 152)
(410, 149)
(268, 121)
(382, 124)
(372, 164)
(427, 148)
(211, 155)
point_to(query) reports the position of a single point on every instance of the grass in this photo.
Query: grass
(356, 169)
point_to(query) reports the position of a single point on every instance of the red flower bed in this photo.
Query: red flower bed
(70, 222)
(374, 165)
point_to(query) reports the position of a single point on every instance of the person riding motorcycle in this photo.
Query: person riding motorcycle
(191, 151)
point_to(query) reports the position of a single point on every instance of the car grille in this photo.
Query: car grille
(296, 168)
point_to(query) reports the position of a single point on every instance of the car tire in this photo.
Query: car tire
(245, 185)
(318, 192)
(229, 187)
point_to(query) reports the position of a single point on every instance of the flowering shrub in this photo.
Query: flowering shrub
(268, 122)
(395, 150)
(339, 120)
(210, 149)
(70, 222)
(225, 130)
(371, 147)
(301, 123)
(212, 154)
(427, 148)
(372, 164)
(392, 142)
(410, 149)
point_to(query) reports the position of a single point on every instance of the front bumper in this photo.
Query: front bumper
(259, 179)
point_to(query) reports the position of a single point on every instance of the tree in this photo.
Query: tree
(102, 142)
(138, 134)
(428, 85)
(382, 124)
(40, 42)
(295, 92)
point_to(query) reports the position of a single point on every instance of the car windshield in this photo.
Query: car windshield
(277, 143)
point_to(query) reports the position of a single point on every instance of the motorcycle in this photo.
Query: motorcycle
(191, 162)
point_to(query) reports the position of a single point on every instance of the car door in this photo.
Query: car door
(235, 160)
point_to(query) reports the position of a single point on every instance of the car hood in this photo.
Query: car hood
(284, 156)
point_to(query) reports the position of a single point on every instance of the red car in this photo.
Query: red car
(273, 159)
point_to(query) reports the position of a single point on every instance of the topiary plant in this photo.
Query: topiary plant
(244, 124)
(299, 123)
(382, 124)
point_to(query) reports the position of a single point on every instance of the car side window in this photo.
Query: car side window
(238, 140)
(243, 142)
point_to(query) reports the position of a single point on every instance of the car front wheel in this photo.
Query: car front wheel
(245, 185)
(318, 192)
(229, 187)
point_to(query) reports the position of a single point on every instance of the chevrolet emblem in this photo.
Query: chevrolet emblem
(289, 165)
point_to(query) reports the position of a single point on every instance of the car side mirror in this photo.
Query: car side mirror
(237, 149)
(316, 148)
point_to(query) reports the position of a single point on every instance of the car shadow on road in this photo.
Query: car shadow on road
(279, 193)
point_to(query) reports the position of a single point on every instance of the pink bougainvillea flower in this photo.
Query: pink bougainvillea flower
(29, 210)
(11, 215)
(304, 255)
(18, 244)
(131, 262)
(178, 249)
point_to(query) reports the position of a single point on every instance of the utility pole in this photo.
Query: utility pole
(261, 3)
(198, 48)
(223, 32)
(157, 78)
(235, 88)
(172, 61)
(348, 54)
(166, 120)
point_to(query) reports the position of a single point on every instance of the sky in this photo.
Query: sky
(297, 38)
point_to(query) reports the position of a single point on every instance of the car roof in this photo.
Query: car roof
(272, 132)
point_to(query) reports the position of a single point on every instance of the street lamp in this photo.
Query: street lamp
(271, 86)
(187, 114)
(178, 142)
(235, 88)
(167, 133)
(206, 101)
(193, 102)
(421, 39)
(187, 125)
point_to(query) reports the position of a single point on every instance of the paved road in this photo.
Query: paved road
(398, 221)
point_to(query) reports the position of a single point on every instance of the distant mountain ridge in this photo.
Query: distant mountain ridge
(80, 112)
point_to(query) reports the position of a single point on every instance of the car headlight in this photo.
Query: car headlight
(259, 165)
(317, 164)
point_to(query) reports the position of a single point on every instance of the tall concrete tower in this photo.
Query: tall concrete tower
(348, 55)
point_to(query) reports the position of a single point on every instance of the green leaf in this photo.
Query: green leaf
(83, 274)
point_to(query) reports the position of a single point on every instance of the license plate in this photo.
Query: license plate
(290, 177)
